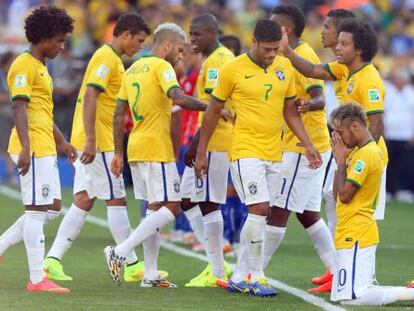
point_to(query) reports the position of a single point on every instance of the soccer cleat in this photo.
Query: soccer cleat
(227, 270)
(135, 272)
(324, 288)
(411, 284)
(262, 288)
(160, 282)
(114, 263)
(222, 283)
(242, 287)
(46, 285)
(54, 270)
(197, 279)
(326, 277)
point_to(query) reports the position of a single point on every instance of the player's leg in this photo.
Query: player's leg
(327, 193)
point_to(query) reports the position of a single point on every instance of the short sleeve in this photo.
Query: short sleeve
(225, 82)
(291, 90)
(166, 77)
(123, 92)
(100, 71)
(20, 81)
(371, 95)
(358, 169)
(335, 69)
(211, 74)
(310, 84)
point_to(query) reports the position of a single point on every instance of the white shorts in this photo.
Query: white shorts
(328, 179)
(353, 274)
(96, 178)
(41, 184)
(299, 188)
(255, 180)
(213, 186)
(379, 213)
(156, 182)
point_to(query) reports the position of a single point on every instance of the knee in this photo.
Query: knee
(278, 217)
(83, 201)
(186, 204)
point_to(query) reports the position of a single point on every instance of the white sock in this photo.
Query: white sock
(241, 269)
(378, 296)
(195, 218)
(151, 251)
(34, 241)
(51, 215)
(145, 229)
(323, 243)
(120, 228)
(68, 231)
(273, 237)
(213, 233)
(330, 206)
(253, 231)
(12, 236)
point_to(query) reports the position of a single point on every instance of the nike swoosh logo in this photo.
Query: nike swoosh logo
(248, 77)
(255, 242)
(340, 289)
(198, 192)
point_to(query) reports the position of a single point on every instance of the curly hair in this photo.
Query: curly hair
(295, 14)
(267, 31)
(133, 22)
(364, 36)
(47, 22)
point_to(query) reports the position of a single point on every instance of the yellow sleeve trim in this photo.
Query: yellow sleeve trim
(357, 184)
(328, 69)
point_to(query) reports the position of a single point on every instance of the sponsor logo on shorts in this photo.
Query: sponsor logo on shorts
(45, 190)
(252, 186)
(176, 185)
(257, 241)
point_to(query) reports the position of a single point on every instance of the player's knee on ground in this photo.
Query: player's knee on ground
(277, 216)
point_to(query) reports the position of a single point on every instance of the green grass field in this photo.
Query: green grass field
(92, 289)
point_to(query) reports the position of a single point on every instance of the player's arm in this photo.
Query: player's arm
(295, 123)
(22, 129)
(343, 190)
(89, 120)
(117, 164)
(316, 102)
(185, 101)
(376, 125)
(63, 146)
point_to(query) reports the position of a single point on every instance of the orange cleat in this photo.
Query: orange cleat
(326, 277)
(222, 283)
(46, 285)
(410, 285)
(324, 288)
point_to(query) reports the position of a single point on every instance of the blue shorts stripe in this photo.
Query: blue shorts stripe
(240, 176)
(293, 180)
(328, 166)
(353, 270)
(111, 186)
(33, 180)
(164, 181)
(207, 179)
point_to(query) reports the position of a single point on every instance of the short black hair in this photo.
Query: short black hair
(295, 14)
(364, 36)
(47, 22)
(132, 22)
(339, 15)
(208, 20)
(267, 31)
(231, 42)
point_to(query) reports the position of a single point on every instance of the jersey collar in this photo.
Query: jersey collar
(253, 61)
(357, 70)
(113, 49)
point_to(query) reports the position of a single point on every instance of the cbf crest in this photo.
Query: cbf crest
(350, 87)
(252, 186)
(280, 74)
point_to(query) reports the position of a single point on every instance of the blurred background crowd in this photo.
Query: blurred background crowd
(94, 21)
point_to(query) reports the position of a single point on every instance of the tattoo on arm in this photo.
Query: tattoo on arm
(185, 101)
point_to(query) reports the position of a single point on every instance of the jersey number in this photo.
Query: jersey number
(268, 89)
(138, 117)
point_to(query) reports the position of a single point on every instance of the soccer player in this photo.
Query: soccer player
(35, 138)
(299, 187)
(262, 91)
(92, 136)
(148, 89)
(209, 192)
(357, 186)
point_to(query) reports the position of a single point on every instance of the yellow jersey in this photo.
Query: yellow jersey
(364, 87)
(29, 78)
(145, 87)
(104, 71)
(207, 81)
(340, 73)
(356, 222)
(257, 95)
(314, 121)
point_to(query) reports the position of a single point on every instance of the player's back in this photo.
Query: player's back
(145, 87)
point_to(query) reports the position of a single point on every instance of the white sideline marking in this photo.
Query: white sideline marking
(320, 302)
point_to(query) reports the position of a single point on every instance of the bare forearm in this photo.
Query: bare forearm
(307, 68)
(295, 123)
(89, 113)
(185, 101)
(21, 123)
(58, 136)
(118, 130)
(340, 178)
(207, 128)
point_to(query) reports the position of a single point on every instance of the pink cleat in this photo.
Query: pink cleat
(46, 285)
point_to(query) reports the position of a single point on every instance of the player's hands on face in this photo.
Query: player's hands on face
(226, 115)
(117, 165)
(23, 162)
(89, 152)
(314, 157)
(339, 149)
(284, 42)
(201, 165)
(303, 105)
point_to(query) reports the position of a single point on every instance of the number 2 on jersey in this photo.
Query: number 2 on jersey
(268, 89)
(134, 109)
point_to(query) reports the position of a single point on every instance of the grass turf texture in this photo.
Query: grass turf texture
(294, 263)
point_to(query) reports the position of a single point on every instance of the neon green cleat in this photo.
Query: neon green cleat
(227, 270)
(54, 270)
(205, 278)
(199, 279)
(135, 272)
